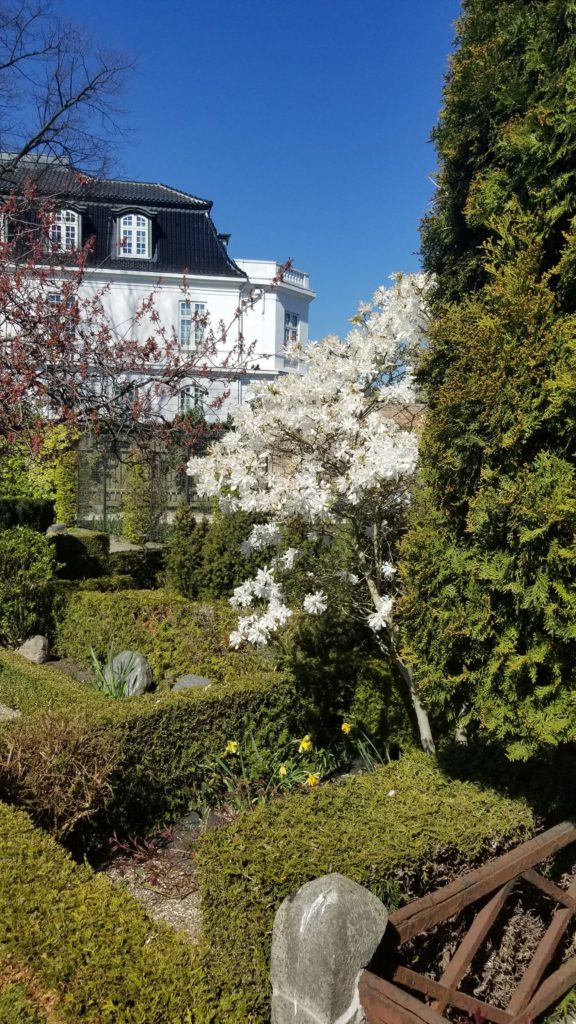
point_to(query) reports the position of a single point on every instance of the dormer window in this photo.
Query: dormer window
(134, 236)
(64, 231)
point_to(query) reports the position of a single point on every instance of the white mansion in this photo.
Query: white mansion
(143, 234)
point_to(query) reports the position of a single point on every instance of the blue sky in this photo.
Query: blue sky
(305, 121)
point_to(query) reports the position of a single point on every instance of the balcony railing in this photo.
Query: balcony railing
(296, 277)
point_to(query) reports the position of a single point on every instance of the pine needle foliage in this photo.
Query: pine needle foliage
(489, 562)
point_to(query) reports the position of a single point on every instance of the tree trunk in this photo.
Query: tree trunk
(424, 730)
(419, 710)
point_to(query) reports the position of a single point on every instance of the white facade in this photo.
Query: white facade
(279, 315)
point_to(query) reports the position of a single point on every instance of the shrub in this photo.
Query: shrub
(81, 553)
(35, 513)
(185, 552)
(164, 739)
(204, 559)
(395, 845)
(26, 574)
(141, 509)
(86, 947)
(144, 567)
(60, 767)
(175, 635)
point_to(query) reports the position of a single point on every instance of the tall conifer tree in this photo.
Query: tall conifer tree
(489, 616)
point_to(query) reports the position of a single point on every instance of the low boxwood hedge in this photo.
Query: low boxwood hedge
(163, 739)
(81, 554)
(144, 567)
(36, 513)
(74, 944)
(396, 831)
(176, 635)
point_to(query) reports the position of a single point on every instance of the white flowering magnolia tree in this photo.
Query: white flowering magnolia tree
(335, 448)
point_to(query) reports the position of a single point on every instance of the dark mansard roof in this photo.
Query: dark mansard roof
(184, 238)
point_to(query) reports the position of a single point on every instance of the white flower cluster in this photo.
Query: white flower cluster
(333, 446)
(379, 619)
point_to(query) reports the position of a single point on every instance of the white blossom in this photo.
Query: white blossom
(315, 603)
(379, 618)
(333, 447)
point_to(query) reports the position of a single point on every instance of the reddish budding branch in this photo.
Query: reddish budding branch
(63, 358)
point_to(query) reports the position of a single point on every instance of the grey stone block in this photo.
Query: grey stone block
(189, 682)
(57, 528)
(35, 649)
(323, 938)
(136, 670)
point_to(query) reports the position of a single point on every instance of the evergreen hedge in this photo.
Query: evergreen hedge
(81, 554)
(160, 740)
(489, 562)
(399, 832)
(35, 513)
(101, 958)
(79, 945)
(176, 635)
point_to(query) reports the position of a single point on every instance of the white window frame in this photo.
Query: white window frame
(134, 236)
(190, 331)
(291, 328)
(64, 231)
(190, 398)
(53, 300)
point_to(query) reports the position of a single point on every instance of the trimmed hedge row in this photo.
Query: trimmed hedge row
(176, 635)
(81, 554)
(144, 567)
(395, 831)
(162, 739)
(36, 513)
(85, 945)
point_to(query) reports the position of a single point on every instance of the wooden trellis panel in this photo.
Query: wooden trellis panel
(391, 1000)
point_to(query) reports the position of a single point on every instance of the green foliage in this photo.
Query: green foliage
(506, 142)
(397, 846)
(175, 635)
(15, 1006)
(339, 674)
(26, 574)
(35, 513)
(137, 500)
(81, 554)
(164, 738)
(185, 552)
(42, 465)
(204, 559)
(109, 679)
(144, 567)
(489, 614)
(90, 951)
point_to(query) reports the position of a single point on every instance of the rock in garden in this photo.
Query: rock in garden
(35, 649)
(135, 670)
(188, 682)
(6, 713)
(55, 529)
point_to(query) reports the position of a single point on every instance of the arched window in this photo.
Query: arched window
(134, 236)
(64, 231)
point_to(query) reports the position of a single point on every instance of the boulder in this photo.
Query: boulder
(323, 937)
(36, 649)
(57, 529)
(136, 671)
(190, 682)
(7, 714)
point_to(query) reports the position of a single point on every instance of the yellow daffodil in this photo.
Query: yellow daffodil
(305, 744)
(282, 771)
(231, 747)
(346, 727)
(313, 779)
